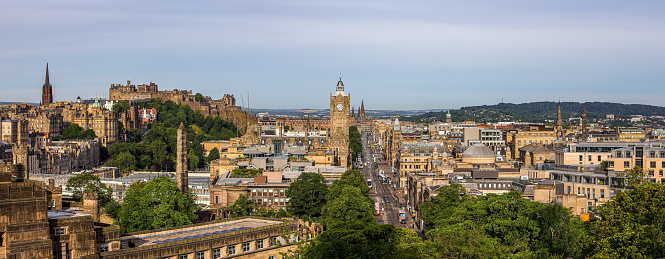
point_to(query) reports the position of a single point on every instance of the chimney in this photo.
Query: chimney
(91, 204)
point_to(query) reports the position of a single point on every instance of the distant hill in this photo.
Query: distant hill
(542, 111)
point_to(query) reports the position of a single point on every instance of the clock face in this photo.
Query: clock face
(340, 107)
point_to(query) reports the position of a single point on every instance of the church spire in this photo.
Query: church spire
(47, 90)
(361, 113)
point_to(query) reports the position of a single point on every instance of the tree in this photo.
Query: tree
(193, 160)
(351, 205)
(631, 225)
(444, 205)
(505, 223)
(74, 131)
(121, 106)
(632, 178)
(134, 135)
(198, 97)
(87, 182)
(358, 240)
(213, 155)
(351, 177)
(156, 204)
(243, 206)
(126, 161)
(307, 195)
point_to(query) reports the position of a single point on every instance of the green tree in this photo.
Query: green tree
(198, 97)
(213, 155)
(358, 240)
(349, 206)
(74, 131)
(193, 160)
(631, 225)
(156, 204)
(87, 182)
(632, 178)
(444, 205)
(243, 206)
(353, 178)
(307, 195)
(134, 135)
(125, 161)
(121, 106)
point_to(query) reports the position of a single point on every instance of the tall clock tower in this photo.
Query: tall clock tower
(339, 124)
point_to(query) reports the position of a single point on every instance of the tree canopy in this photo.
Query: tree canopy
(74, 131)
(87, 182)
(631, 225)
(358, 240)
(307, 195)
(506, 224)
(155, 150)
(156, 204)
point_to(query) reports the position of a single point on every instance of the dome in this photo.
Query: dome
(478, 150)
(448, 114)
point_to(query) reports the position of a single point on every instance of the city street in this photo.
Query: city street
(373, 165)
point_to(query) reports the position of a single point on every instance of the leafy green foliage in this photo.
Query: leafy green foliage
(631, 225)
(121, 106)
(156, 204)
(74, 131)
(198, 97)
(157, 151)
(87, 182)
(501, 224)
(349, 206)
(348, 201)
(134, 135)
(244, 206)
(632, 178)
(358, 240)
(212, 155)
(351, 178)
(541, 111)
(307, 195)
(355, 145)
(246, 172)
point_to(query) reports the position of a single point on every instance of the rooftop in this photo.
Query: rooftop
(62, 214)
(149, 238)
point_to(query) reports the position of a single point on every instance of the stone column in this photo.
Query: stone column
(181, 160)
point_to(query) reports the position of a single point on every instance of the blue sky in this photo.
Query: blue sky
(392, 54)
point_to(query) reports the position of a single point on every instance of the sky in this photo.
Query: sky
(289, 54)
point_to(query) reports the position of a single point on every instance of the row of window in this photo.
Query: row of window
(626, 164)
(581, 157)
(231, 250)
(519, 142)
(590, 193)
(652, 154)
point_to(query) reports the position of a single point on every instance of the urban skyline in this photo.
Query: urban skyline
(388, 52)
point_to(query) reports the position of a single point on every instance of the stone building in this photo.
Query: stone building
(92, 116)
(15, 131)
(533, 154)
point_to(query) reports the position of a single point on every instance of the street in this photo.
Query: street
(373, 165)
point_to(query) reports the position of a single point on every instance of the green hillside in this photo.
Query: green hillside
(541, 111)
